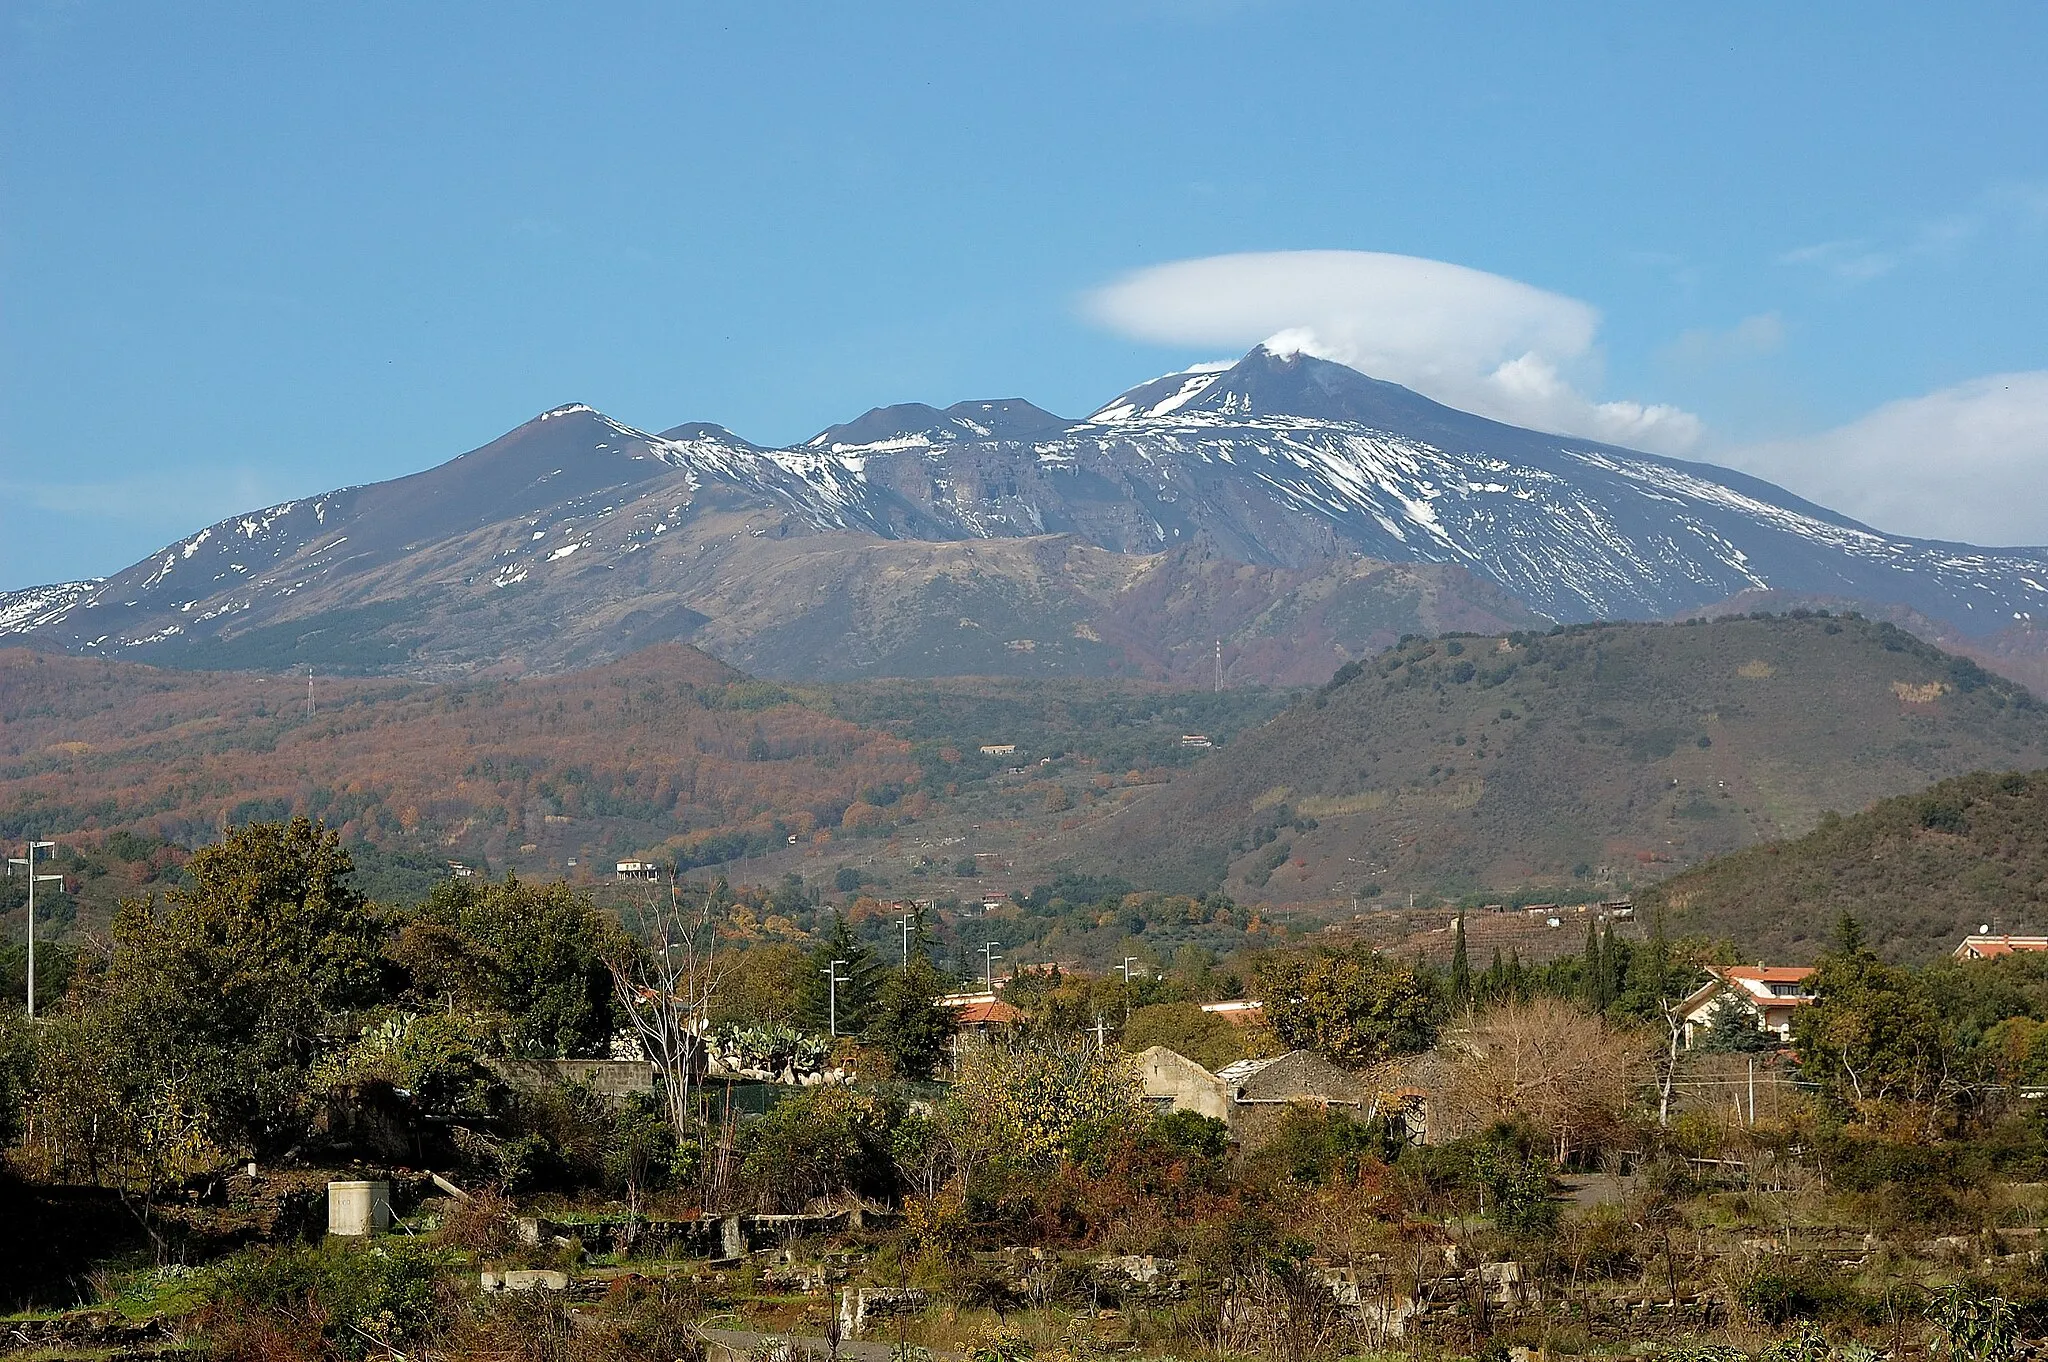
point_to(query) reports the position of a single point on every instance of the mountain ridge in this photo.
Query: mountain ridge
(1285, 464)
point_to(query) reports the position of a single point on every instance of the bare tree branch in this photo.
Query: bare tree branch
(665, 990)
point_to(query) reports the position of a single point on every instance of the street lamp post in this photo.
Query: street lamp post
(832, 983)
(989, 958)
(28, 865)
(904, 923)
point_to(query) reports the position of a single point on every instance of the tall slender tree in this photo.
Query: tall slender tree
(1591, 966)
(1461, 966)
(859, 973)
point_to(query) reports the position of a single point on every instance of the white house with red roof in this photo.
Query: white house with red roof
(1769, 993)
(1984, 946)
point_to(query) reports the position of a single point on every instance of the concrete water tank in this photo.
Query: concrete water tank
(358, 1209)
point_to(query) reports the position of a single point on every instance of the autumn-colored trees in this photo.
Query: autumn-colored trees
(1568, 1073)
(666, 737)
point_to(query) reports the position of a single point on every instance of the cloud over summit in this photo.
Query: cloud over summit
(1968, 462)
(1474, 340)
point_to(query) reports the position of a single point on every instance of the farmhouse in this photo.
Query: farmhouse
(1769, 993)
(1240, 1091)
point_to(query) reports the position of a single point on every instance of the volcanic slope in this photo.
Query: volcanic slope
(994, 536)
(770, 560)
(1916, 871)
(1597, 755)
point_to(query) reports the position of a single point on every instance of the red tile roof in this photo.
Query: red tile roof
(993, 1013)
(1765, 974)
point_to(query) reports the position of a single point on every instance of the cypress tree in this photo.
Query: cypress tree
(1613, 964)
(1461, 966)
(1591, 968)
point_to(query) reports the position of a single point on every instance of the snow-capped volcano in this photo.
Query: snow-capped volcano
(1277, 461)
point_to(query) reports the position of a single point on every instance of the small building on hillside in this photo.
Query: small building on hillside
(1770, 994)
(639, 870)
(999, 749)
(1984, 946)
(1237, 1011)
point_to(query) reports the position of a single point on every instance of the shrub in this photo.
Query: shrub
(331, 1301)
(1780, 1290)
(822, 1141)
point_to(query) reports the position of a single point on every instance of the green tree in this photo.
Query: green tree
(218, 997)
(1592, 968)
(818, 1142)
(17, 1073)
(1654, 978)
(1874, 1041)
(762, 985)
(1517, 1183)
(908, 1024)
(536, 953)
(1187, 1030)
(1736, 1029)
(1355, 1008)
(859, 974)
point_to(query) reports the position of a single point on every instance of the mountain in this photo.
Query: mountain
(916, 540)
(1918, 871)
(1600, 755)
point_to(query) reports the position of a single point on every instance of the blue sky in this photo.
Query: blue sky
(252, 252)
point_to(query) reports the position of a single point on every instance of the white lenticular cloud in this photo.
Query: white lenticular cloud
(1966, 463)
(1470, 339)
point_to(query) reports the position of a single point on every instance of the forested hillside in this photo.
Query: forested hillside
(1600, 754)
(664, 744)
(667, 751)
(1918, 871)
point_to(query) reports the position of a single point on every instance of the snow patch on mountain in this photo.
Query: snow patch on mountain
(22, 612)
(1275, 460)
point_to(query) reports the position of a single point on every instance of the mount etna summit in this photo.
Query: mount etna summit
(1298, 511)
